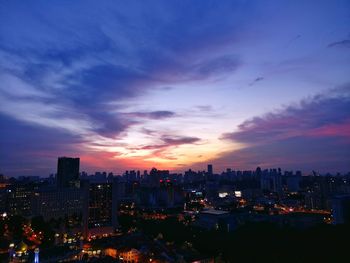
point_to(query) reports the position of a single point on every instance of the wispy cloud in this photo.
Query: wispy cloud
(155, 115)
(343, 43)
(256, 80)
(218, 66)
(178, 140)
(205, 108)
(171, 141)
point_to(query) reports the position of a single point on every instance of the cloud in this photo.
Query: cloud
(343, 43)
(178, 140)
(31, 150)
(149, 132)
(218, 65)
(171, 141)
(76, 68)
(204, 108)
(256, 80)
(108, 53)
(298, 153)
(308, 118)
(301, 134)
(162, 150)
(292, 40)
(155, 115)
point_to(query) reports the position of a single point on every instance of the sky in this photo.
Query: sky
(175, 85)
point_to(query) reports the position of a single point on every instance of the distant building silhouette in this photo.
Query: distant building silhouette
(68, 172)
(210, 169)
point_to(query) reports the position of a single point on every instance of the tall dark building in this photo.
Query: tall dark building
(341, 209)
(210, 169)
(100, 211)
(68, 172)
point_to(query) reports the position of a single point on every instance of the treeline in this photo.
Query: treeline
(255, 242)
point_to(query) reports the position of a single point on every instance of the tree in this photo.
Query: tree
(15, 225)
(40, 225)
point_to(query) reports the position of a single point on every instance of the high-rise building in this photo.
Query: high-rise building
(210, 169)
(166, 194)
(68, 172)
(19, 198)
(271, 181)
(100, 209)
(50, 203)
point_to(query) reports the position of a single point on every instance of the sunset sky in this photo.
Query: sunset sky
(175, 84)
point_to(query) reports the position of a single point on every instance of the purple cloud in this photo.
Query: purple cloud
(83, 70)
(204, 108)
(318, 116)
(32, 150)
(171, 141)
(155, 115)
(160, 150)
(298, 153)
(219, 65)
(178, 140)
(72, 70)
(343, 43)
(256, 80)
(303, 135)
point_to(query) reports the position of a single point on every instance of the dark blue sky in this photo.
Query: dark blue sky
(174, 84)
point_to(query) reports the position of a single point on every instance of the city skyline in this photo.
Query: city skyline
(237, 84)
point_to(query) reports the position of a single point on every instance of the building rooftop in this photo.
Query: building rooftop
(214, 212)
